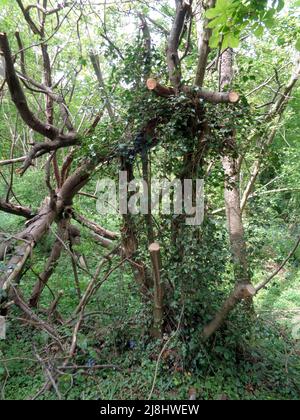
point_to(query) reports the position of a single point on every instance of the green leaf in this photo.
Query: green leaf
(298, 44)
(281, 5)
(259, 31)
(280, 42)
(270, 23)
(82, 61)
(233, 41)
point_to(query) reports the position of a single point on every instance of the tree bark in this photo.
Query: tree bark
(232, 190)
(206, 95)
(98, 230)
(158, 310)
(51, 263)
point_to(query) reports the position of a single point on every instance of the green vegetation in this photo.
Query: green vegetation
(201, 321)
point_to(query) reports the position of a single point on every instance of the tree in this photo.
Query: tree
(168, 98)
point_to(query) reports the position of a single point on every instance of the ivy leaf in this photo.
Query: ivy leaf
(214, 40)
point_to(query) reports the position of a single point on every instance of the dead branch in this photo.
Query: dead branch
(97, 68)
(30, 236)
(94, 286)
(49, 375)
(54, 304)
(50, 265)
(19, 301)
(106, 243)
(95, 367)
(16, 210)
(275, 114)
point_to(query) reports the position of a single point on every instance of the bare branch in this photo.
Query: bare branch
(41, 149)
(28, 19)
(265, 283)
(16, 210)
(94, 227)
(204, 35)
(97, 68)
(213, 97)
(12, 161)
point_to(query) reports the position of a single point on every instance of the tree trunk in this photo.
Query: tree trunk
(158, 310)
(51, 263)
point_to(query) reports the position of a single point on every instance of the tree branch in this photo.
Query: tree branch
(94, 227)
(28, 19)
(204, 35)
(12, 161)
(183, 7)
(265, 283)
(18, 96)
